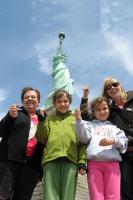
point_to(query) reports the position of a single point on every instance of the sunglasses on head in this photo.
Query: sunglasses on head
(115, 84)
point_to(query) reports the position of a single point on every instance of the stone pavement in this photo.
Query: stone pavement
(82, 188)
(81, 193)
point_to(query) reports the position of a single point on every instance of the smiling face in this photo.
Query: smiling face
(30, 101)
(113, 89)
(62, 104)
(101, 111)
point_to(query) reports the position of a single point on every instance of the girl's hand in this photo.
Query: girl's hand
(81, 168)
(13, 110)
(82, 172)
(43, 111)
(85, 91)
(77, 114)
(107, 141)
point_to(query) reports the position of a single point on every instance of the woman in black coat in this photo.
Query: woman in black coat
(20, 152)
(121, 114)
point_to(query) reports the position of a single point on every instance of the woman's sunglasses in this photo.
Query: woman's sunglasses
(115, 84)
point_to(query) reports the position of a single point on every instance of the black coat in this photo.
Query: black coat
(123, 118)
(15, 133)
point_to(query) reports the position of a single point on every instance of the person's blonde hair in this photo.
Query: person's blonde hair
(108, 81)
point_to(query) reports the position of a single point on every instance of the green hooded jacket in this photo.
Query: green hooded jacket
(58, 134)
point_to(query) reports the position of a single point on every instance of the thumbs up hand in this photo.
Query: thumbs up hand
(77, 114)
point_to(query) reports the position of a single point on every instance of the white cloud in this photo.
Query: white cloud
(54, 2)
(120, 46)
(70, 19)
(115, 3)
(33, 19)
(44, 65)
(78, 88)
(3, 95)
(44, 53)
(33, 3)
(2, 115)
(122, 50)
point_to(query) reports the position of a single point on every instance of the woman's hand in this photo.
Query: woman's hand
(13, 110)
(41, 114)
(85, 91)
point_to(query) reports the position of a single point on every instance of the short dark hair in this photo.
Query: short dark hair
(26, 89)
(59, 93)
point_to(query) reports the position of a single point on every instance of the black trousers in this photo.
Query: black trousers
(26, 183)
(127, 176)
(9, 172)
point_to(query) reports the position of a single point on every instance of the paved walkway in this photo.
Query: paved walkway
(81, 193)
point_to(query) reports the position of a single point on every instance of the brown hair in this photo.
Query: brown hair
(59, 93)
(97, 101)
(26, 89)
(108, 81)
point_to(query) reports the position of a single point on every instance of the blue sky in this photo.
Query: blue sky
(99, 43)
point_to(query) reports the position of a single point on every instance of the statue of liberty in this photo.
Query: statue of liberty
(60, 75)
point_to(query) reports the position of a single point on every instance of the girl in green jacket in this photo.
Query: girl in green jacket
(63, 155)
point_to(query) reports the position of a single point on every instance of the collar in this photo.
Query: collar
(63, 114)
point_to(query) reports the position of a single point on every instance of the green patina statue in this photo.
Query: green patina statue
(60, 75)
